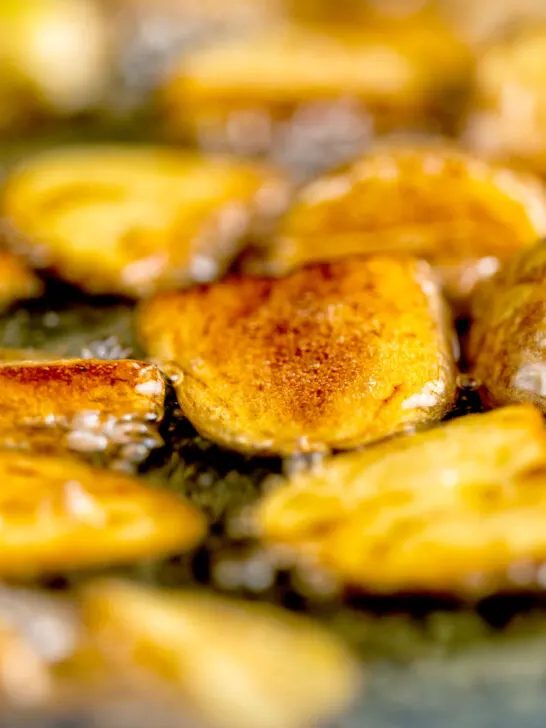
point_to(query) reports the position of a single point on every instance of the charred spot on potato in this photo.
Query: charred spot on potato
(431, 200)
(130, 220)
(332, 356)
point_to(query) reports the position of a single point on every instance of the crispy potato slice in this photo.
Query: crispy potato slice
(451, 509)
(247, 93)
(122, 219)
(430, 200)
(240, 665)
(506, 346)
(17, 281)
(507, 118)
(59, 514)
(332, 356)
(34, 392)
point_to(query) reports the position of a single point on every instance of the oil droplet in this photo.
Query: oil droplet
(468, 382)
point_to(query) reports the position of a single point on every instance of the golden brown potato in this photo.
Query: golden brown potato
(507, 342)
(282, 88)
(129, 220)
(34, 392)
(59, 514)
(55, 58)
(16, 280)
(507, 119)
(86, 406)
(332, 356)
(239, 665)
(486, 20)
(454, 509)
(430, 200)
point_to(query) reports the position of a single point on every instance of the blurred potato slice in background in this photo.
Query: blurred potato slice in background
(17, 281)
(507, 342)
(455, 509)
(507, 117)
(58, 514)
(332, 356)
(432, 200)
(240, 665)
(130, 220)
(55, 58)
(268, 93)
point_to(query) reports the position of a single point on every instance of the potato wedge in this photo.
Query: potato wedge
(260, 94)
(333, 356)
(454, 509)
(129, 220)
(59, 514)
(507, 118)
(506, 345)
(430, 200)
(17, 281)
(240, 665)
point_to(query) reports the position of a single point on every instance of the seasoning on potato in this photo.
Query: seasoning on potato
(506, 345)
(333, 356)
(17, 281)
(431, 200)
(239, 665)
(507, 118)
(455, 509)
(58, 514)
(130, 220)
(278, 92)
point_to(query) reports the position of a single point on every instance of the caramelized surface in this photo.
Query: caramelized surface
(332, 356)
(508, 336)
(57, 514)
(430, 200)
(129, 220)
(454, 509)
(240, 665)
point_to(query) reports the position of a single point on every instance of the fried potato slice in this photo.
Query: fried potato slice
(240, 665)
(507, 116)
(34, 392)
(129, 220)
(59, 514)
(248, 94)
(430, 200)
(454, 509)
(17, 281)
(506, 345)
(333, 356)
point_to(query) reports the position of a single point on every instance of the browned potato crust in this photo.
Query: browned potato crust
(32, 392)
(247, 89)
(333, 356)
(430, 200)
(239, 665)
(508, 336)
(17, 281)
(507, 119)
(454, 509)
(131, 220)
(58, 514)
